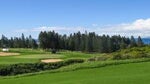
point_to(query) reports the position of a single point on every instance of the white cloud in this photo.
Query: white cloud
(140, 27)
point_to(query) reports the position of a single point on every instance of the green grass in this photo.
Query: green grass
(31, 56)
(27, 58)
(35, 55)
(133, 73)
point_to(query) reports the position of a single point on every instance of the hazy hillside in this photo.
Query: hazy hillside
(146, 40)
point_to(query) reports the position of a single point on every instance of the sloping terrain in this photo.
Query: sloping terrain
(133, 73)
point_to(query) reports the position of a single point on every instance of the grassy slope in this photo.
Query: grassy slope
(30, 56)
(138, 73)
(134, 73)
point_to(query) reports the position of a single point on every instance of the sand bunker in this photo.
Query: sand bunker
(8, 54)
(51, 60)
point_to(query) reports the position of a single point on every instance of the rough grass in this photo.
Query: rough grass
(132, 73)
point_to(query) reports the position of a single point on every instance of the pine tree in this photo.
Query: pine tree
(123, 45)
(110, 45)
(34, 44)
(42, 40)
(4, 41)
(133, 42)
(83, 42)
(11, 42)
(71, 43)
(23, 41)
(139, 42)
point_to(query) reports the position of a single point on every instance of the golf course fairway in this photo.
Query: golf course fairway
(133, 73)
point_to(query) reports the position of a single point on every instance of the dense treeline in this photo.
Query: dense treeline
(86, 42)
(18, 42)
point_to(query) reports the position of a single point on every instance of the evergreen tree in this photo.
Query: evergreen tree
(83, 42)
(23, 41)
(43, 40)
(123, 45)
(139, 42)
(4, 41)
(110, 45)
(30, 45)
(34, 44)
(133, 42)
(87, 42)
(11, 43)
(71, 43)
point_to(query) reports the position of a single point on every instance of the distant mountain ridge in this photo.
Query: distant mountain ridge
(146, 40)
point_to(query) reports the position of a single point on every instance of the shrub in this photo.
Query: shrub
(117, 56)
(72, 61)
(92, 59)
(126, 56)
(53, 51)
(15, 69)
(102, 58)
(139, 55)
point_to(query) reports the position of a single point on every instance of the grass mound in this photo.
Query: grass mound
(130, 53)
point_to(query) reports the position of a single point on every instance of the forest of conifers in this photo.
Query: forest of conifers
(86, 42)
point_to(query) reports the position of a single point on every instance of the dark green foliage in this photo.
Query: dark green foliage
(123, 44)
(133, 42)
(51, 40)
(86, 42)
(34, 67)
(18, 42)
(53, 51)
(4, 42)
(140, 42)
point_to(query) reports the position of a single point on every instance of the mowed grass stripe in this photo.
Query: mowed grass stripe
(133, 73)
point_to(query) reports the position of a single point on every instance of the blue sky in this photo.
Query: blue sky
(126, 17)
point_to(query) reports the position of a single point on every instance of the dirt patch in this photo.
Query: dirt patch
(51, 60)
(8, 54)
